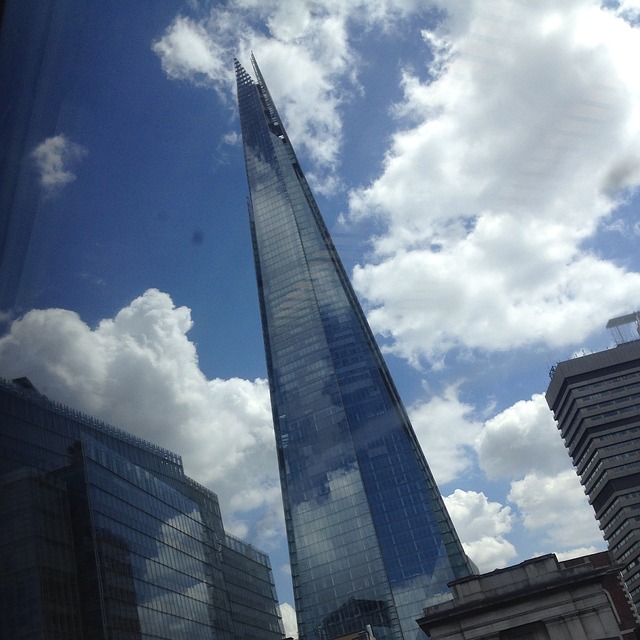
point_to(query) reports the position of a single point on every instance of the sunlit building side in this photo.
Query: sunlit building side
(370, 540)
(539, 599)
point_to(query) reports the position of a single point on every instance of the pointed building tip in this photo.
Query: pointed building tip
(242, 77)
(241, 71)
(256, 70)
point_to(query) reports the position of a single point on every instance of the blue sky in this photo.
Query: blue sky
(477, 163)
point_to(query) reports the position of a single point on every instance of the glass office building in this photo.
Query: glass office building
(104, 537)
(370, 540)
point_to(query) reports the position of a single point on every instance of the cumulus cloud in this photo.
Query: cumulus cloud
(628, 10)
(523, 445)
(54, 158)
(577, 552)
(481, 526)
(512, 148)
(521, 439)
(139, 371)
(446, 433)
(232, 138)
(310, 94)
(288, 614)
(200, 51)
(188, 52)
(522, 139)
(557, 508)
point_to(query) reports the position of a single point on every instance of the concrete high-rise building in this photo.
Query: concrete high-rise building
(370, 540)
(102, 536)
(595, 399)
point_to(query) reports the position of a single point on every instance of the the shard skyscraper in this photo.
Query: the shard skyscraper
(369, 538)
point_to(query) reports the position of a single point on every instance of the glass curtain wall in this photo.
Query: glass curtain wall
(370, 540)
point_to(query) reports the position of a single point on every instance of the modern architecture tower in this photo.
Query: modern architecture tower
(595, 399)
(369, 538)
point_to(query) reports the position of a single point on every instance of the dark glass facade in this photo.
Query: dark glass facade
(104, 537)
(369, 538)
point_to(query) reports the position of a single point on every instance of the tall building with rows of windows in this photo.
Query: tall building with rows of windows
(595, 399)
(104, 537)
(370, 540)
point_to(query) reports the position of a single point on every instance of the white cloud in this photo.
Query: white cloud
(578, 552)
(232, 138)
(629, 10)
(446, 434)
(504, 163)
(523, 140)
(288, 614)
(522, 439)
(475, 516)
(139, 371)
(201, 50)
(54, 158)
(188, 52)
(305, 53)
(556, 507)
(494, 290)
(523, 445)
(482, 525)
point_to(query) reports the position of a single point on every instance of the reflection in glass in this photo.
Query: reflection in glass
(369, 538)
(114, 540)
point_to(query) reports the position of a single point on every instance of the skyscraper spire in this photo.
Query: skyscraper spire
(370, 540)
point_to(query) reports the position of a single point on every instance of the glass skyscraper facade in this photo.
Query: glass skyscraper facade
(370, 540)
(104, 537)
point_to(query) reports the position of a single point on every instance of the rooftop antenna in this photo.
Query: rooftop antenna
(625, 328)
